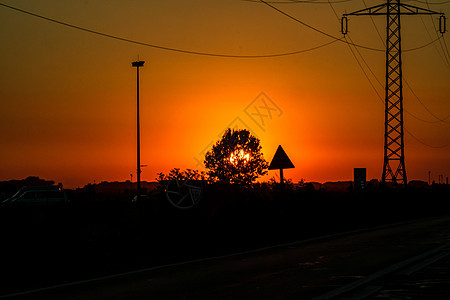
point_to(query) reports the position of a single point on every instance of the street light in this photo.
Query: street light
(138, 64)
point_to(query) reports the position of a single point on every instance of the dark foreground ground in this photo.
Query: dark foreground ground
(100, 235)
(317, 269)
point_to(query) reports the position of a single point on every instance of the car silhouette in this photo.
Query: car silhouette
(37, 196)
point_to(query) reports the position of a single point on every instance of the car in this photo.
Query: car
(37, 196)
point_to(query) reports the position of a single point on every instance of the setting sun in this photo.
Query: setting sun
(239, 156)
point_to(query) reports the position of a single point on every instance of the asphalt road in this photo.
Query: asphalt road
(429, 279)
(300, 270)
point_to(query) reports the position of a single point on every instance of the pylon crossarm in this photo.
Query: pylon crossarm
(374, 10)
(414, 10)
(377, 10)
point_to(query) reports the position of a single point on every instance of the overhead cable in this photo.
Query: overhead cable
(426, 144)
(441, 43)
(315, 29)
(334, 37)
(432, 3)
(443, 120)
(164, 47)
(300, 1)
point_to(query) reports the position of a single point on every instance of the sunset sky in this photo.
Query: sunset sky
(68, 97)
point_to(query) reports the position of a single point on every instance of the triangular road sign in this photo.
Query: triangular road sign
(280, 160)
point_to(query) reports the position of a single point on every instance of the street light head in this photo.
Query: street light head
(139, 63)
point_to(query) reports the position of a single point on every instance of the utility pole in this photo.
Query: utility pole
(394, 171)
(138, 64)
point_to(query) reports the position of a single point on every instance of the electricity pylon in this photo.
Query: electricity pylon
(394, 171)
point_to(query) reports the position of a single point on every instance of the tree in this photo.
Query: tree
(236, 158)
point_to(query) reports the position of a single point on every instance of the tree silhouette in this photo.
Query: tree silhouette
(236, 158)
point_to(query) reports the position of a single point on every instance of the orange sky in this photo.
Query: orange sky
(67, 109)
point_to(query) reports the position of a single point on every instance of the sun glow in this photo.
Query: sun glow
(239, 156)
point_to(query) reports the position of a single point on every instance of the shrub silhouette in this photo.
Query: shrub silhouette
(177, 173)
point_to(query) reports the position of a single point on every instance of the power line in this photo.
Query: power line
(357, 60)
(300, 1)
(336, 38)
(446, 48)
(432, 3)
(425, 144)
(424, 106)
(425, 121)
(440, 43)
(424, 45)
(374, 25)
(442, 56)
(364, 71)
(381, 98)
(315, 29)
(164, 47)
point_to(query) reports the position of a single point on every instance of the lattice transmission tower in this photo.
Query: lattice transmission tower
(394, 171)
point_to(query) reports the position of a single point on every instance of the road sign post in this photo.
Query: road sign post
(281, 161)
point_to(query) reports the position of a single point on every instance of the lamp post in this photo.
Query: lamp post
(138, 64)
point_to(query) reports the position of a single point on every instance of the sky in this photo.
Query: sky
(68, 97)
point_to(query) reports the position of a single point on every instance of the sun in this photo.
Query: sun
(239, 156)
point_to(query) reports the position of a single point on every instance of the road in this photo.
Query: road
(431, 282)
(301, 270)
